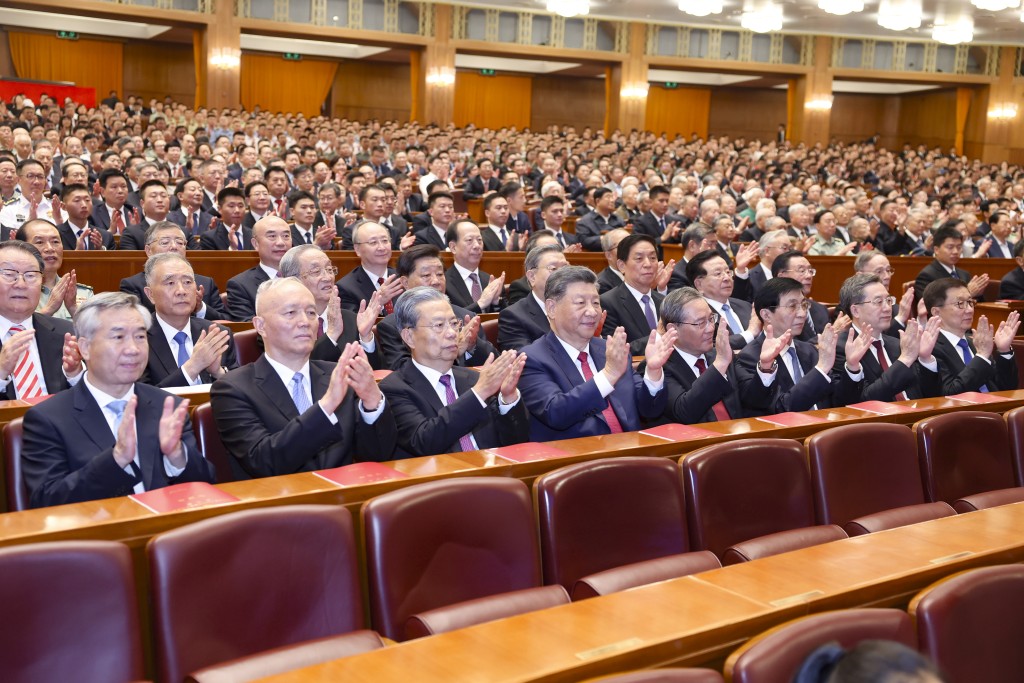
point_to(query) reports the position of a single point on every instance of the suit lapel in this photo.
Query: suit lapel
(567, 365)
(459, 284)
(269, 382)
(51, 351)
(630, 305)
(161, 352)
(419, 384)
(91, 419)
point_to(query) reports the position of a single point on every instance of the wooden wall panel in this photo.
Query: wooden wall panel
(154, 69)
(680, 111)
(6, 65)
(492, 101)
(372, 90)
(928, 118)
(859, 117)
(567, 101)
(747, 112)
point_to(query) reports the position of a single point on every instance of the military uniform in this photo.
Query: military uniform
(17, 211)
(84, 293)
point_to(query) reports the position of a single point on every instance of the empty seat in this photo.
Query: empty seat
(751, 498)
(965, 460)
(284, 659)
(775, 655)
(492, 608)
(17, 492)
(446, 542)
(866, 478)
(1015, 431)
(663, 676)
(972, 624)
(69, 614)
(490, 330)
(600, 515)
(252, 581)
(208, 439)
(246, 348)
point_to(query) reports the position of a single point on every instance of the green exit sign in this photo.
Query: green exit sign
(486, 72)
(67, 35)
(671, 86)
(292, 56)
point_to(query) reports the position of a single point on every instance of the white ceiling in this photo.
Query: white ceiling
(45, 21)
(309, 48)
(800, 16)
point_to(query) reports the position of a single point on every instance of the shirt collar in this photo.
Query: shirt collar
(432, 375)
(103, 398)
(953, 339)
(6, 325)
(286, 373)
(464, 273)
(169, 331)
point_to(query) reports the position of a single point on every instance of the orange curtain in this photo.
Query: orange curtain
(678, 112)
(95, 64)
(279, 86)
(963, 106)
(492, 101)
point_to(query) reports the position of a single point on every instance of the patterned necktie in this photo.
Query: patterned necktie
(465, 443)
(181, 339)
(389, 307)
(880, 353)
(649, 312)
(965, 350)
(474, 290)
(117, 408)
(734, 323)
(299, 395)
(721, 412)
(27, 382)
(609, 414)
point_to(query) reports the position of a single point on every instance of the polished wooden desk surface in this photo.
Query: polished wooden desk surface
(677, 623)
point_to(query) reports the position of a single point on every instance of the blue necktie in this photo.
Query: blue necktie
(798, 372)
(965, 350)
(299, 395)
(117, 408)
(734, 323)
(649, 312)
(180, 339)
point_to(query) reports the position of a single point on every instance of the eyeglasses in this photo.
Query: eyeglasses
(168, 241)
(376, 243)
(961, 303)
(883, 271)
(800, 271)
(444, 325)
(31, 277)
(804, 305)
(318, 271)
(702, 325)
(720, 274)
(878, 301)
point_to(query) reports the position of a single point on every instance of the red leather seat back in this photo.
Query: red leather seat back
(208, 439)
(963, 453)
(604, 514)
(69, 613)
(446, 542)
(17, 492)
(246, 349)
(252, 581)
(1015, 430)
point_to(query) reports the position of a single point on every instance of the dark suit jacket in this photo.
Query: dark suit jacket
(757, 278)
(783, 395)
(325, 349)
(298, 239)
(521, 324)
(395, 352)
(518, 290)
(428, 235)
(242, 293)
(678, 278)
(936, 271)
(1012, 285)
(262, 429)
(67, 455)
(356, 287)
(564, 406)
(917, 381)
(459, 294)
(624, 311)
(70, 240)
(607, 281)
(999, 375)
(211, 295)
(691, 398)
(519, 222)
(162, 369)
(134, 237)
(742, 310)
(101, 219)
(427, 427)
(491, 241)
(995, 251)
(818, 317)
(217, 239)
(590, 227)
(475, 187)
(50, 342)
(178, 217)
(729, 255)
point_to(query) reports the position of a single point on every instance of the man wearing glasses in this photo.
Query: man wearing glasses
(700, 379)
(713, 278)
(894, 369)
(948, 245)
(876, 263)
(982, 363)
(443, 408)
(31, 203)
(770, 246)
(372, 243)
(634, 304)
(793, 264)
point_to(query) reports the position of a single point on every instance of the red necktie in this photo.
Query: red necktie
(389, 307)
(609, 415)
(26, 375)
(880, 353)
(721, 412)
(117, 226)
(319, 327)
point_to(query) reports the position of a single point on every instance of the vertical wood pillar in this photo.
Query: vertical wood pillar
(222, 36)
(810, 124)
(629, 110)
(434, 101)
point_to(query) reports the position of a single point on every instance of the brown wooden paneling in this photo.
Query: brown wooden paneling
(747, 112)
(6, 65)
(680, 111)
(567, 101)
(928, 118)
(154, 69)
(372, 90)
(859, 117)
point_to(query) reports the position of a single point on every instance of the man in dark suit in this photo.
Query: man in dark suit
(610, 277)
(440, 407)
(894, 369)
(712, 277)
(272, 238)
(634, 304)
(526, 321)
(374, 201)
(164, 237)
(302, 209)
(725, 234)
(421, 266)
(793, 264)
(468, 286)
(155, 205)
(228, 232)
(1012, 284)
(552, 213)
(51, 365)
(75, 232)
(496, 233)
(482, 183)
(109, 435)
(211, 174)
(771, 245)
(515, 195)
(984, 362)
(658, 222)
(577, 385)
(520, 289)
(189, 213)
(777, 372)
(286, 413)
(948, 246)
(441, 212)
(328, 204)
(599, 221)
(373, 247)
(114, 188)
(183, 350)
(699, 376)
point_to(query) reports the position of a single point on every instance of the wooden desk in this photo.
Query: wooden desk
(678, 623)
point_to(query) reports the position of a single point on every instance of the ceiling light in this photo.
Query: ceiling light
(569, 8)
(899, 15)
(841, 7)
(761, 16)
(954, 31)
(995, 5)
(701, 8)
